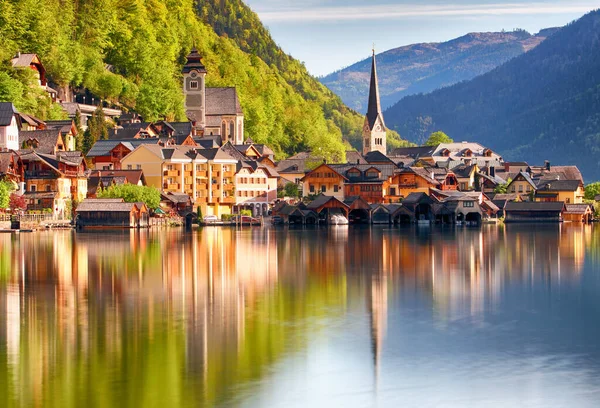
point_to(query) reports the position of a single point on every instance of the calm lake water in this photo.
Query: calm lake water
(341, 316)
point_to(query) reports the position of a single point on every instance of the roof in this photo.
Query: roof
(132, 176)
(526, 177)
(222, 101)
(7, 111)
(354, 157)
(377, 157)
(125, 133)
(463, 170)
(414, 152)
(41, 194)
(321, 200)
(426, 174)
(176, 198)
(194, 62)
(385, 171)
(577, 208)
(103, 147)
(23, 60)
(6, 159)
(415, 198)
(31, 120)
(47, 139)
(558, 185)
(556, 206)
(105, 205)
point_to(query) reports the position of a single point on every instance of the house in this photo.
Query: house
(11, 168)
(382, 213)
(367, 181)
(206, 175)
(181, 203)
(255, 187)
(359, 210)
(43, 141)
(10, 123)
(567, 191)
(67, 129)
(416, 207)
(410, 180)
(33, 62)
(324, 180)
(53, 180)
(451, 155)
(578, 213)
(107, 178)
(466, 175)
(521, 184)
(107, 154)
(110, 213)
(530, 211)
(464, 209)
(29, 122)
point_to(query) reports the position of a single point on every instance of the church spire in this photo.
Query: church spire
(374, 109)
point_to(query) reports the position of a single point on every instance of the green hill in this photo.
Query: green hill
(130, 52)
(422, 68)
(542, 105)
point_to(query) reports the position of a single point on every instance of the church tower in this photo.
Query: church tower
(374, 131)
(194, 74)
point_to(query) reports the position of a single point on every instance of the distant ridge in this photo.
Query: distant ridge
(544, 104)
(425, 67)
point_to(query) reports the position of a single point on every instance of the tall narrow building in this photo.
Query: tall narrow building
(194, 74)
(374, 131)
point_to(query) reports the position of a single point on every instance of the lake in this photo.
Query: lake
(282, 317)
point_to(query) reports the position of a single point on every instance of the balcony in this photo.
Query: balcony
(172, 187)
(227, 200)
(228, 187)
(40, 174)
(203, 174)
(171, 173)
(229, 174)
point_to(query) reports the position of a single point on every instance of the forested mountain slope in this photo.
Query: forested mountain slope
(130, 52)
(544, 104)
(422, 68)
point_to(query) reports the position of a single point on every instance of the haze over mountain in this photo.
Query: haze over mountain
(422, 68)
(544, 104)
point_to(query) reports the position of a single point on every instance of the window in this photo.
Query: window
(468, 204)
(311, 188)
(520, 188)
(528, 188)
(32, 187)
(129, 167)
(139, 166)
(193, 84)
(323, 188)
(568, 200)
(336, 188)
(48, 188)
(512, 189)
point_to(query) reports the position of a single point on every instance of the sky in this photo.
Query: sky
(328, 35)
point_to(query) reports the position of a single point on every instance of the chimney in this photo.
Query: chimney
(506, 167)
(547, 165)
(492, 171)
(357, 161)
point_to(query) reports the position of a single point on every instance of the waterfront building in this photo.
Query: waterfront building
(529, 211)
(368, 181)
(112, 212)
(567, 191)
(324, 179)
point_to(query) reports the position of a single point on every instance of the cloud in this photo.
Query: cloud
(393, 12)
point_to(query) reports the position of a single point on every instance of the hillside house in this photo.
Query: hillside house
(10, 123)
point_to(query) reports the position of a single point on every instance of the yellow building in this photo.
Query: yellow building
(255, 187)
(206, 175)
(521, 184)
(567, 191)
(324, 180)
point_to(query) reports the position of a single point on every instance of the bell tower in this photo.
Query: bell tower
(194, 91)
(374, 131)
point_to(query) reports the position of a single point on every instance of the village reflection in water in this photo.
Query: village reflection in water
(147, 318)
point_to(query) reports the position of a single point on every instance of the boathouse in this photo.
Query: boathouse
(110, 213)
(325, 206)
(578, 213)
(529, 211)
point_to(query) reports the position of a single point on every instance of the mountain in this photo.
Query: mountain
(422, 68)
(130, 53)
(542, 105)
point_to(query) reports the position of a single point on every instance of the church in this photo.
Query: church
(213, 111)
(374, 131)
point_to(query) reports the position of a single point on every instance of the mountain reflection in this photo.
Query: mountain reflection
(140, 318)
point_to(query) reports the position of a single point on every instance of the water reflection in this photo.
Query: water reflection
(294, 316)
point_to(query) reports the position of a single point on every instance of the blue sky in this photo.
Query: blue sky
(331, 34)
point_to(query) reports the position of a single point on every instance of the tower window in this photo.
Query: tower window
(193, 84)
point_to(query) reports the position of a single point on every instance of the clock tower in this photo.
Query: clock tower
(374, 131)
(194, 91)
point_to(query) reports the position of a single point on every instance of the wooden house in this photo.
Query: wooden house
(108, 154)
(578, 213)
(529, 211)
(324, 180)
(110, 213)
(367, 181)
(48, 141)
(325, 206)
(359, 210)
(180, 203)
(408, 181)
(11, 168)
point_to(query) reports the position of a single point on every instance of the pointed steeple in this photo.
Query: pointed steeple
(374, 109)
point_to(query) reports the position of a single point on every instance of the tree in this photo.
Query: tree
(592, 190)
(5, 189)
(291, 190)
(438, 137)
(97, 129)
(501, 188)
(133, 193)
(17, 203)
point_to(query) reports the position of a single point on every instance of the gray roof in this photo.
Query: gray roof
(374, 105)
(322, 200)
(414, 152)
(6, 158)
(104, 205)
(22, 60)
(354, 157)
(577, 208)
(47, 138)
(534, 206)
(222, 101)
(7, 111)
(103, 147)
(559, 185)
(385, 171)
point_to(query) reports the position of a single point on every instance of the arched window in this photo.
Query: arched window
(231, 129)
(224, 131)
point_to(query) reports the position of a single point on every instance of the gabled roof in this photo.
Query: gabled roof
(222, 101)
(291, 166)
(24, 60)
(385, 171)
(31, 120)
(321, 200)
(132, 176)
(415, 152)
(377, 157)
(463, 170)
(416, 198)
(422, 172)
(354, 157)
(578, 208)
(103, 147)
(330, 166)
(6, 159)
(176, 198)
(525, 176)
(48, 139)
(7, 111)
(102, 205)
(558, 185)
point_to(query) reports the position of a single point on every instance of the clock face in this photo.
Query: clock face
(193, 74)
